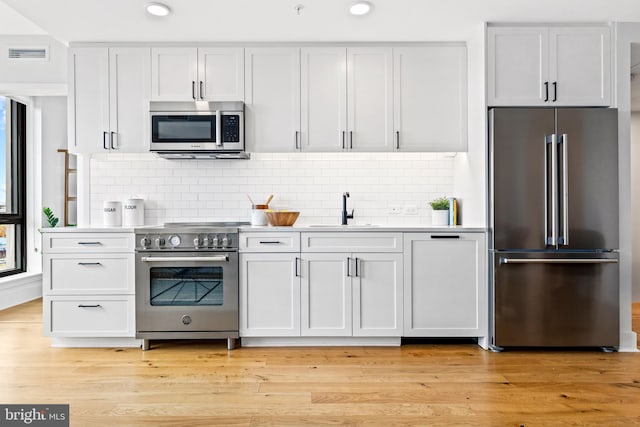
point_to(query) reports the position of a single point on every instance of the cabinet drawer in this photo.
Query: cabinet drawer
(94, 274)
(351, 242)
(270, 242)
(87, 242)
(78, 316)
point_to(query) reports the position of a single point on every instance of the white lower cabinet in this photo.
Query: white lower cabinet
(445, 285)
(269, 294)
(88, 286)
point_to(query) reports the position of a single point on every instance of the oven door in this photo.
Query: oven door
(186, 292)
(185, 131)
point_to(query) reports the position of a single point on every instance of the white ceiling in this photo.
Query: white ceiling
(320, 20)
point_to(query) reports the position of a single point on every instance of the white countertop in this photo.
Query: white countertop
(301, 228)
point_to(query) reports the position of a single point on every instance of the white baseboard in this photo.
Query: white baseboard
(18, 289)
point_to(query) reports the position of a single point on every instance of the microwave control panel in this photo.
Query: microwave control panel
(230, 128)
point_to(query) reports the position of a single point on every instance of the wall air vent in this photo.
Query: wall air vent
(29, 53)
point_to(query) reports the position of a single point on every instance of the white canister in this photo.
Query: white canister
(112, 214)
(133, 213)
(258, 217)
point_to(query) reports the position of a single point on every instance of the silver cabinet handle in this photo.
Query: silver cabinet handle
(89, 306)
(397, 140)
(546, 91)
(269, 242)
(112, 137)
(297, 136)
(217, 258)
(201, 90)
(297, 267)
(89, 263)
(193, 89)
(555, 91)
(351, 140)
(357, 271)
(565, 189)
(445, 236)
(557, 261)
(348, 266)
(90, 243)
(104, 140)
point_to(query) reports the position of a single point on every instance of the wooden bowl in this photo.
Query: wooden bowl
(282, 218)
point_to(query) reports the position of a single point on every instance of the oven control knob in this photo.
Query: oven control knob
(196, 242)
(160, 242)
(215, 242)
(174, 241)
(226, 241)
(205, 242)
(186, 319)
(145, 242)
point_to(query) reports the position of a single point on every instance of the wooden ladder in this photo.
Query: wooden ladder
(67, 172)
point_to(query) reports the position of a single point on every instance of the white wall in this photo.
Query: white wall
(33, 77)
(635, 204)
(54, 136)
(206, 190)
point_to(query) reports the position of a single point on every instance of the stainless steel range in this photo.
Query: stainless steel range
(187, 282)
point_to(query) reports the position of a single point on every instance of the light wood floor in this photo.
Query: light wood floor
(201, 384)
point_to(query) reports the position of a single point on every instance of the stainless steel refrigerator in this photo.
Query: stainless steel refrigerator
(553, 214)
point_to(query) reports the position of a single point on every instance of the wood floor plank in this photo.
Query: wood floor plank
(200, 383)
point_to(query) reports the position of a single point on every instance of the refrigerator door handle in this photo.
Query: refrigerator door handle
(505, 260)
(550, 140)
(565, 190)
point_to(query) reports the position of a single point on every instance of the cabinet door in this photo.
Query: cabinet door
(269, 295)
(370, 99)
(130, 77)
(326, 307)
(323, 99)
(430, 98)
(221, 74)
(377, 294)
(580, 66)
(88, 100)
(445, 285)
(272, 104)
(174, 74)
(518, 64)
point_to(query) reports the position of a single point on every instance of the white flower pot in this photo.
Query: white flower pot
(440, 217)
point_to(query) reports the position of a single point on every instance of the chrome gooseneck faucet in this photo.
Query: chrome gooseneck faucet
(345, 216)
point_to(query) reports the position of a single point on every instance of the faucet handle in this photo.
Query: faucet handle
(350, 216)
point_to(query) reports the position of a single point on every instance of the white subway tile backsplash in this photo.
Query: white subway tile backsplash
(201, 190)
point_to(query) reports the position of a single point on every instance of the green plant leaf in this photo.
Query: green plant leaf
(51, 218)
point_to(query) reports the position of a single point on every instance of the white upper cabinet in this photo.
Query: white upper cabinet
(108, 99)
(430, 98)
(272, 103)
(549, 66)
(370, 99)
(188, 74)
(324, 99)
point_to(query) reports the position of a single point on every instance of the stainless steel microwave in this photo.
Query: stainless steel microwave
(197, 129)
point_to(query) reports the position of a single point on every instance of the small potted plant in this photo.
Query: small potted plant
(440, 214)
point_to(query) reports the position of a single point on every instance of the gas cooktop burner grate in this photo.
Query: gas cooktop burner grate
(207, 224)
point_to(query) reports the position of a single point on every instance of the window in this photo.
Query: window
(13, 141)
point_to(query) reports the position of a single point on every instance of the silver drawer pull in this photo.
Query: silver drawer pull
(185, 258)
(269, 242)
(89, 306)
(90, 243)
(89, 263)
(557, 261)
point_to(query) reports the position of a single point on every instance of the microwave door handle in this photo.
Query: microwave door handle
(218, 129)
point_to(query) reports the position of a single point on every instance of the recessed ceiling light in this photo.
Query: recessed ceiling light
(360, 8)
(158, 9)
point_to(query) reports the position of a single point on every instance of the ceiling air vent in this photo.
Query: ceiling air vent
(29, 53)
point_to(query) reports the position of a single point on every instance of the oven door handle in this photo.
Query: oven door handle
(217, 258)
